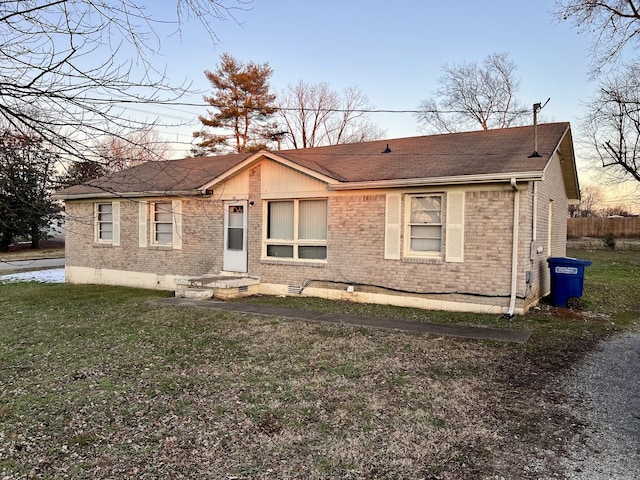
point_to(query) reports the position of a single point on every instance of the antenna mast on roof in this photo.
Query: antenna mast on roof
(536, 108)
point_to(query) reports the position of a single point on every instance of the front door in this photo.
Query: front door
(235, 237)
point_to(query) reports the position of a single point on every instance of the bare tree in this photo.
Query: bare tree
(140, 146)
(615, 25)
(612, 124)
(618, 210)
(243, 104)
(313, 114)
(471, 95)
(590, 199)
(81, 63)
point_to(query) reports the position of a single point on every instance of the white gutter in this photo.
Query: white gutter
(455, 180)
(514, 249)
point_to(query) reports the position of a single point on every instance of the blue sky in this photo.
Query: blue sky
(392, 51)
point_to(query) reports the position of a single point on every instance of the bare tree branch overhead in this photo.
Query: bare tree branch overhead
(80, 63)
(612, 124)
(614, 25)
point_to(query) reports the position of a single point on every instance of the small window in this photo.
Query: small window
(162, 224)
(297, 229)
(424, 224)
(104, 222)
(235, 228)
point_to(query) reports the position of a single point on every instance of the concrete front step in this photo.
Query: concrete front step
(219, 286)
(195, 293)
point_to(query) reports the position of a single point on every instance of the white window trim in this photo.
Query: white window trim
(454, 227)
(408, 253)
(115, 223)
(176, 225)
(143, 228)
(393, 226)
(296, 242)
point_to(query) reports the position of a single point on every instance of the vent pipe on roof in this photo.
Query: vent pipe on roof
(387, 150)
(536, 108)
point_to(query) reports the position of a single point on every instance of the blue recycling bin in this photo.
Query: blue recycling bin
(567, 280)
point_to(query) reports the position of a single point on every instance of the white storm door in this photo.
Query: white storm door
(235, 237)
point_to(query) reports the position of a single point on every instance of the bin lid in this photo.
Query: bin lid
(570, 261)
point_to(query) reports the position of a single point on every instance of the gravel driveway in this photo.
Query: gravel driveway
(607, 385)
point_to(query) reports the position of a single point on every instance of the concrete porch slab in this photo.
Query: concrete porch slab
(217, 281)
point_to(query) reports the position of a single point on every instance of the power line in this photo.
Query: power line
(336, 110)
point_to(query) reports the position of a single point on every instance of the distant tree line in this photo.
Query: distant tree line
(591, 205)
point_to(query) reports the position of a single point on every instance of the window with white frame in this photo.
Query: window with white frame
(104, 222)
(107, 223)
(424, 224)
(162, 227)
(297, 229)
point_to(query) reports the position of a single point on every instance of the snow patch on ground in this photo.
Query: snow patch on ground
(53, 275)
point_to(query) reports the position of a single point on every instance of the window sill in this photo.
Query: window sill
(159, 247)
(293, 262)
(424, 260)
(103, 244)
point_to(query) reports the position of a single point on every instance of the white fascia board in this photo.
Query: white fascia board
(271, 156)
(457, 180)
(567, 137)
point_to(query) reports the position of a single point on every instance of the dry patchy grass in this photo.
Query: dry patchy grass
(95, 382)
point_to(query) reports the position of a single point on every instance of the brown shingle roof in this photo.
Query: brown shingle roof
(185, 175)
(492, 152)
(500, 151)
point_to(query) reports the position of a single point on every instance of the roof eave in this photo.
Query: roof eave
(165, 193)
(438, 181)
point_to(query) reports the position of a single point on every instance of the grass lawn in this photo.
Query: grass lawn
(97, 382)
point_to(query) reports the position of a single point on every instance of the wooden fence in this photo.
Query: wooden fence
(626, 227)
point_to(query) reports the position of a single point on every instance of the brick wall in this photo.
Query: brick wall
(355, 244)
(551, 194)
(201, 241)
(356, 253)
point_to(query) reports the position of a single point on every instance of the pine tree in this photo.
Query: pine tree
(243, 104)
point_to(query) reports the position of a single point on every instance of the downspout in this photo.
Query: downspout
(514, 250)
(534, 223)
